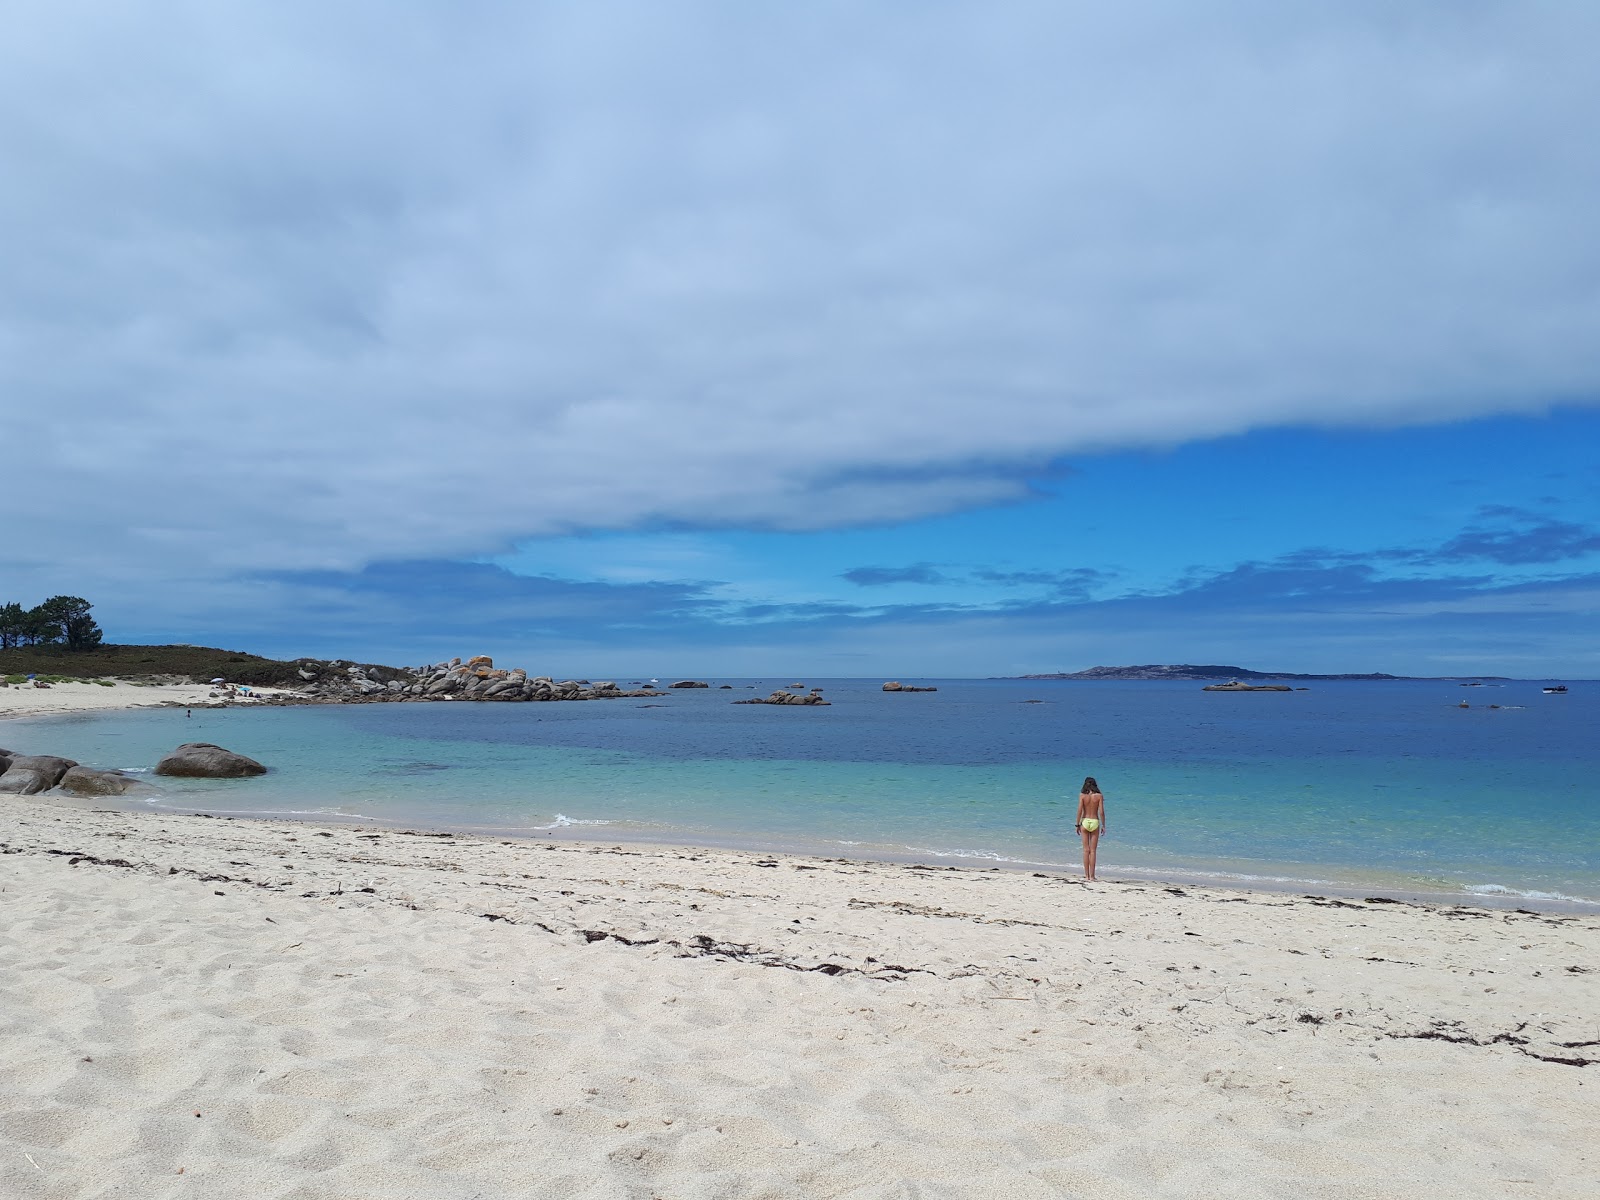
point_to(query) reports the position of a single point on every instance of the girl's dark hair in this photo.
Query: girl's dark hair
(1090, 787)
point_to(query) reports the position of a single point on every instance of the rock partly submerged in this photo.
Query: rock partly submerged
(813, 697)
(203, 760)
(1236, 686)
(895, 685)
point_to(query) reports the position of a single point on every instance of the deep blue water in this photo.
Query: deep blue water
(1350, 783)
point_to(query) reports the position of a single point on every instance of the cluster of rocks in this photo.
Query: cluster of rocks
(479, 679)
(1234, 685)
(337, 681)
(475, 679)
(30, 774)
(345, 681)
(814, 696)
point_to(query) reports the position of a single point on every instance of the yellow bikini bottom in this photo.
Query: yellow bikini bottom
(1090, 824)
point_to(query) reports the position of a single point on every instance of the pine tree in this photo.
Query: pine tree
(67, 619)
(13, 625)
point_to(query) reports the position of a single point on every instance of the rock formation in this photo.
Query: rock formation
(85, 781)
(202, 760)
(476, 679)
(1236, 686)
(812, 697)
(896, 686)
(690, 683)
(30, 774)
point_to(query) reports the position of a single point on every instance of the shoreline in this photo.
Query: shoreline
(582, 835)
(1287, 877)
(275, 1009)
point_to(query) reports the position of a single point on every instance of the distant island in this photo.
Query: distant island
(1191, 671)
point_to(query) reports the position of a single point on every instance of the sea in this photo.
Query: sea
(1345, 785)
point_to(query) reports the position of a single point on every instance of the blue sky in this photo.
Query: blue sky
(730, 340)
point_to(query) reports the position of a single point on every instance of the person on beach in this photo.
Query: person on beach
(1091, 822)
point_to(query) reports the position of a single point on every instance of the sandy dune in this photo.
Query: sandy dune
(215, 1008)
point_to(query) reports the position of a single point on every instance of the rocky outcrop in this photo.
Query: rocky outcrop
(896, 686)
(689, 683)
(1236, 686)
(85, 781)
(479, 679)
(203, 760)
(812, 697)
(30, 774)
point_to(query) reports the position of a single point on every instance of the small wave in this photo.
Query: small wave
(1498, 889)
(1163, 873)
(986, 855)
(562, 821)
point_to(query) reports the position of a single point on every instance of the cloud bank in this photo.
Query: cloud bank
(304, 288)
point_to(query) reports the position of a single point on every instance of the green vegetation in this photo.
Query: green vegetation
(58, 641)
(172, 664)
(55, 663)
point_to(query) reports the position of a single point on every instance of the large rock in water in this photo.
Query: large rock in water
(789, 698)
(30, 774)
(202, 760)
(84, 781)
(689, 683)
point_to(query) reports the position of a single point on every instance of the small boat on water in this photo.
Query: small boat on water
(1559, 690)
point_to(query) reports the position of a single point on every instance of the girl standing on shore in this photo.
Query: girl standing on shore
(1091, 822)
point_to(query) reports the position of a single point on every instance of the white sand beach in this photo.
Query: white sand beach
(24, 700)
(210, 1007)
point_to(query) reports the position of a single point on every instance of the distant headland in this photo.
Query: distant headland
(1192, 671)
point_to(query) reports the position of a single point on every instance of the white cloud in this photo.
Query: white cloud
(298, 286)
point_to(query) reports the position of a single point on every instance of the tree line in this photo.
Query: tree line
(60, 620)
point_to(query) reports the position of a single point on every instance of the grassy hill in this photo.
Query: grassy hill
(198, 663)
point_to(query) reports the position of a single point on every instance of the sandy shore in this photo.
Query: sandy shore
(210, 1007)
(59, 698)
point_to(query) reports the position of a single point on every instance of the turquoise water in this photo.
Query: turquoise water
(1346, 783)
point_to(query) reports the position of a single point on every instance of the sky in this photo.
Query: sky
(718, 338)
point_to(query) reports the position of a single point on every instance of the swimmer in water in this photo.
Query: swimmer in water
(1091, 822)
